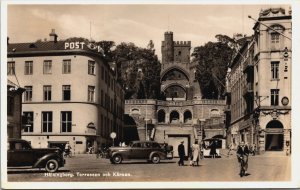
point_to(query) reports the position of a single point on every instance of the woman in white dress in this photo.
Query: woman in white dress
(196, 152)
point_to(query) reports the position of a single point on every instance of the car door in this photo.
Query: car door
(136, 151)
(21, 154)
(147, 149)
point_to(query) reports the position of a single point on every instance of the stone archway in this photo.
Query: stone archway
(174, 117)
(161, 116)
(187, 116)
(274, 136)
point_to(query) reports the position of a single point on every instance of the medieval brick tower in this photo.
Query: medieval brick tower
(177, 74)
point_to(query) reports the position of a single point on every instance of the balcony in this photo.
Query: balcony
(248, 65)
(248, 90)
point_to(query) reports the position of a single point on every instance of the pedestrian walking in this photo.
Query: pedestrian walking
(67, 150)
(181, 154)
(230, 146)
(195, 153)
(242, 154)
(213, 149)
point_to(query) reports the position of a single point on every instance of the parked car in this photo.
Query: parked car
(146, 150)
(20, 154)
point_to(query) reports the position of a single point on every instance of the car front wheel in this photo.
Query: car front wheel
(117, 159)
(51, 166)
(155, 159)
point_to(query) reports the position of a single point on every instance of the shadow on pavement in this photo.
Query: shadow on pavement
(33, 171)
(167, 162)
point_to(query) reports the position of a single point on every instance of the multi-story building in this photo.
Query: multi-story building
(184, 115)
(14, 110)
(71, 93)
(260, 84)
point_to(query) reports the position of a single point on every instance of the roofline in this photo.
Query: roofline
(53, 53)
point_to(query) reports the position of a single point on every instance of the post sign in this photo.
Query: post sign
(113, 135)
(80, 45)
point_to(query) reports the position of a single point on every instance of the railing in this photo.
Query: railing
(140, 101)
(174, 103)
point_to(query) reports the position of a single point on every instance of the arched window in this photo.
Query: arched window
(161, 116)
(187, 116)
(174, 117)
(274, 124)
(135, 111)
(214, 113)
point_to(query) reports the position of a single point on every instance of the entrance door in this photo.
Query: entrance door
(274, 136)
(274, 142)
(176, 140)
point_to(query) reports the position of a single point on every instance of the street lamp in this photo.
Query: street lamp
(146, 121)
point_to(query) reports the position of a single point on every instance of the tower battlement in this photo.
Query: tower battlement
(182, 43)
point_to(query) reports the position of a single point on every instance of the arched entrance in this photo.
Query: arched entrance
(161, 116)
(274, 136)
(187, 116)
(174, 117)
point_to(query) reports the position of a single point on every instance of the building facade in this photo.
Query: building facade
(71, 93)
(184, 115)
(260, 85)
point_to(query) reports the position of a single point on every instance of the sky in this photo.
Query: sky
(131, 23)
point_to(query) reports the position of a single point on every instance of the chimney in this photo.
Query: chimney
(53, 36)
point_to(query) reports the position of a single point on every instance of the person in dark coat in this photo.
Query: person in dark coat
(181, 154)
(213, 149)
(243, 151)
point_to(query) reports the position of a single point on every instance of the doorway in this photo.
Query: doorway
(274, 136)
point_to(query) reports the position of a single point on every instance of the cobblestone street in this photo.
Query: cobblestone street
(268, 167)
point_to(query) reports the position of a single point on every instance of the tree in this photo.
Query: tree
(107, 47)
(212, 62)
(138, 68)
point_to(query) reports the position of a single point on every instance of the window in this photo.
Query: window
(91, 67)
(11, 68)
(66, 92)
(91, 93)
(47, 93)
(66, 121)
(28, 94)
(274, 38)
(28, 122)
(10, 105)
(66, 66)
(46, 122)
(275, 69)
(28, 68)
(274, 97)
(47, 67)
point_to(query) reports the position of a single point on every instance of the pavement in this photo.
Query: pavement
(86, 167)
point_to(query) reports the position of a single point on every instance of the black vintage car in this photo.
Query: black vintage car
(21, 154)
(146, 150)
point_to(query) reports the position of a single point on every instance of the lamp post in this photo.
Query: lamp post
(146, 138)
